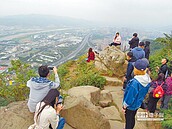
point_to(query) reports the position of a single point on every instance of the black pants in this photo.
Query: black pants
(152, 102)
(130, 119)
(115, 44)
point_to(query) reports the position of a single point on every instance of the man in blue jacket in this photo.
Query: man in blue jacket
(138, 52)
(135, 92)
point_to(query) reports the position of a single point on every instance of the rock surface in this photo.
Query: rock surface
(91, 93)
(111, 58)
(15, 116)
(111, 113)
(82, 114)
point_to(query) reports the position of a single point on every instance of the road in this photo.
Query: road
(74, 53)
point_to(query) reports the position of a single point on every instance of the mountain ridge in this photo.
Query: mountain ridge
(43, 20)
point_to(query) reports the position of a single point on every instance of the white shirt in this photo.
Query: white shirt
(117, 40)
(47, 116)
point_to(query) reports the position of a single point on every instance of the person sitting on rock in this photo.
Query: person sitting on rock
(47, 112)
(135, 92)
(91, 55)
(116, 40)
(39, 86)
(138, 52)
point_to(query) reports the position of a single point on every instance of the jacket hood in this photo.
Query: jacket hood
(143, 79)
(39, 82)
(138, 49)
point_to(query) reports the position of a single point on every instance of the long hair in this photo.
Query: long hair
(89, 51)
(116, 35)
(49, 99)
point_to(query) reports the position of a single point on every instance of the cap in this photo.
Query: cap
(141, 44)
(141, 64)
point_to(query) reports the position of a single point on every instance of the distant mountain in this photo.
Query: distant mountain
(42, 20)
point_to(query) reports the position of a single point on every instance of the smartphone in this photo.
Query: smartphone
(60, 100)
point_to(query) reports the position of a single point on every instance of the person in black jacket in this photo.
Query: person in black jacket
(131, 60)
(164, 68)
(134, 41)
(147, 49)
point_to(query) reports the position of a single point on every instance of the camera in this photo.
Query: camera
(50, 67)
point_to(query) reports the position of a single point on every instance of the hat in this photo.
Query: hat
(141, 44)
(141, 64)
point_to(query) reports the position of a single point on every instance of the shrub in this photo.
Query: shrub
(20, 73)
(167, 123)
(155, 60)
(79, 73)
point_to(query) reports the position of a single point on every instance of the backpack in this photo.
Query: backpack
(158, 91)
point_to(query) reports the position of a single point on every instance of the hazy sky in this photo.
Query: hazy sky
(115, 12)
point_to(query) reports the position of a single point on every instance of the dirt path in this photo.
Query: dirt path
(117, 94)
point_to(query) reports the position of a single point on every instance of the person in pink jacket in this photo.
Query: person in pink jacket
(168, 94)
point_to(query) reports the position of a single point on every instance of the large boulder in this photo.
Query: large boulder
(111, 113)
(91, 93)
(82, 114)
(15, 116)
(111, 58)
(105, 98)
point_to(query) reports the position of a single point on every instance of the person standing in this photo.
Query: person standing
(116, 40)
(130, 67)
(39, 86)
(135, 92)
(164, 68)
(138, 52)
(168, 94)
(152, 102)
(134, 41)
(147, 49)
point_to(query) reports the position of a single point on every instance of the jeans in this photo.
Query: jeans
(61, 123)
(130, 118)
(165, 100)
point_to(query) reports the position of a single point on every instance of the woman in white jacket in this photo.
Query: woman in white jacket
(47, 112)
(116, 40)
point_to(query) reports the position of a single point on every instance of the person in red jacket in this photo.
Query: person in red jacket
(91, 55)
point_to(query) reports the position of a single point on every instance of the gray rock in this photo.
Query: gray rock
(111, 113)
(111, 58)
(82, 114)
(91, 93)
(16, 116)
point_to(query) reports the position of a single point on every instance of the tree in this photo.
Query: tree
(21, 73)
(167, 40)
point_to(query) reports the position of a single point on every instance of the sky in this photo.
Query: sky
(109, 12)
